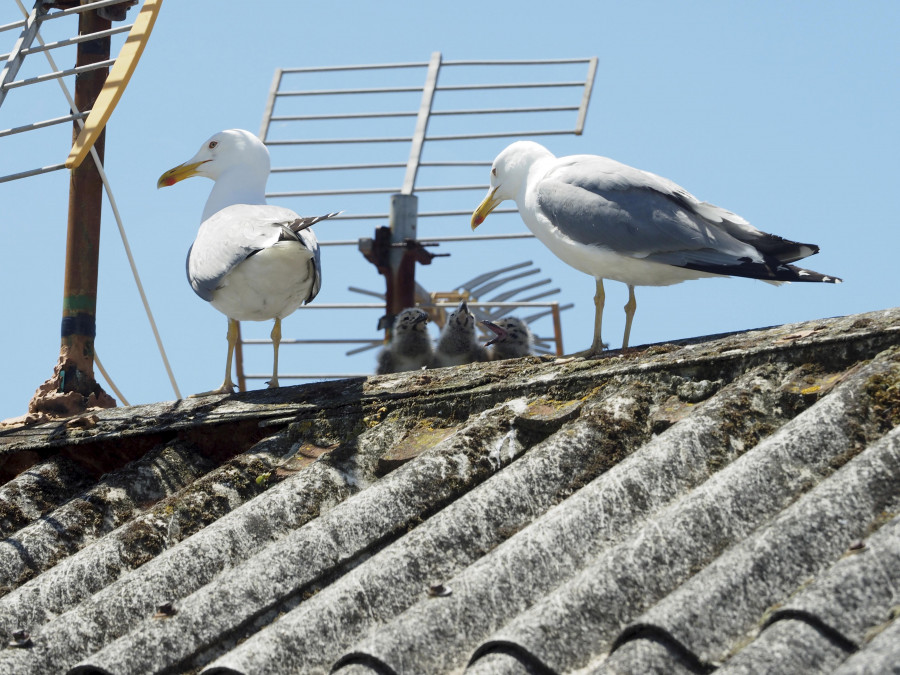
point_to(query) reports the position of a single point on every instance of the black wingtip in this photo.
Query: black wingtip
(771, 270)
(801, 274)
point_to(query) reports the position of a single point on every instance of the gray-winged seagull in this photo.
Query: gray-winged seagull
(616, 222)
(250, 260)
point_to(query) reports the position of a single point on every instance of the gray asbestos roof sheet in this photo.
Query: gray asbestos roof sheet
(725, 504)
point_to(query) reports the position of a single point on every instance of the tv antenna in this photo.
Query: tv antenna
(429, 130)
(100, 80)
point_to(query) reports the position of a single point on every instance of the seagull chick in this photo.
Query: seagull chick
(613, 221)
(410, 346)
(457, 344)
(251, 261)
(512, 338)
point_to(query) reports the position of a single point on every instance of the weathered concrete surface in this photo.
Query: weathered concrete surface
(467, 389)
(470, 515)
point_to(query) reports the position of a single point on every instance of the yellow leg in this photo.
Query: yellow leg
(630, 306)
(227, 386)
(597, 346)
(599, 300)
(276, 340)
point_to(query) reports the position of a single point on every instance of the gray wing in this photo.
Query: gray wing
(308, 239)
(597, 201)
(300, 229)
(236, 232)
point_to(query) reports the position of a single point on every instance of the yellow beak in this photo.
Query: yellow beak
(180, 172)
(485, 207)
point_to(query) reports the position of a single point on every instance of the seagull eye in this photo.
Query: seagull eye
(494, 171)
(212, 144)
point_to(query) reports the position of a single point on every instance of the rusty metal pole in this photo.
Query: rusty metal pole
(72, 388)
(395, 252)
(402, 291)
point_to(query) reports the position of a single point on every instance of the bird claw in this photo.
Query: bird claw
(591, 353)
(226, 388)
(212, 392)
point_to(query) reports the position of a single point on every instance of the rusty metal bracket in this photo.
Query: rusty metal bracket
(400, 285)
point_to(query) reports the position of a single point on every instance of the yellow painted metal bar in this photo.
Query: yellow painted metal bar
(116, 82)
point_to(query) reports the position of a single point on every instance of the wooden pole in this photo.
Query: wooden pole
(73, 389)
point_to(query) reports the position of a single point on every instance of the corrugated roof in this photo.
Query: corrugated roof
(728, 503)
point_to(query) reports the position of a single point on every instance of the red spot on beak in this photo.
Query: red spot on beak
(479, 220)
(170, 181)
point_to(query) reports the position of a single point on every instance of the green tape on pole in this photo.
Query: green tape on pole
(79, 303)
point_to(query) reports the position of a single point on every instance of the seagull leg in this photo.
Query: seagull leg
(232, 335)
(599, 301)
(597, 345)
(630, 306)
(227, 386)
(276, 340)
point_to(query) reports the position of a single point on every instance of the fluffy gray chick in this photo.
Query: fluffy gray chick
(512, 338)
(410, 346)
(457, 344)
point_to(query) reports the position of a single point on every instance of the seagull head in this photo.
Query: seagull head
(461, 318)
(510, 331)
(411, 319)
(230, 151)
(509, 173)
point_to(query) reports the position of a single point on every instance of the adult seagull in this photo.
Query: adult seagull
(250, 260)
(613, 221)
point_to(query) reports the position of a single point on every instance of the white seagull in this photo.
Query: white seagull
(613, 221)
(251, 261)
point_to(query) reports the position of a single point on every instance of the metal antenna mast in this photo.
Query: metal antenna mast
(72, 388)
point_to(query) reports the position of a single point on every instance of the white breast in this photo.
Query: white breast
(271, 283)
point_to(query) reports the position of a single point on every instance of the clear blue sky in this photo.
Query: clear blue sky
(785, 113)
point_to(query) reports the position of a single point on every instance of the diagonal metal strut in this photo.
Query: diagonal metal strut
(16, 56)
